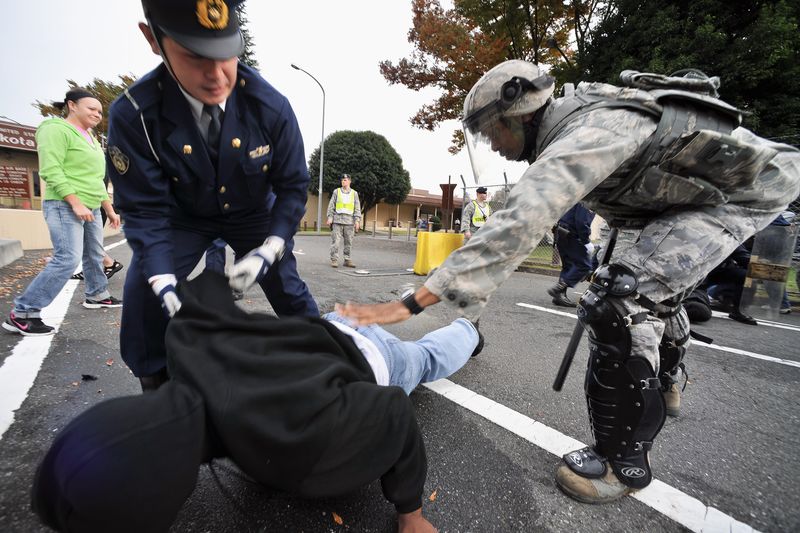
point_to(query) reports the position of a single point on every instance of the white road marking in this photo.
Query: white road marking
(761, 321)
(719, 347)
(20, 369)
(667, 500)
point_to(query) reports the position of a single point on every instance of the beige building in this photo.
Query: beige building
(418, 203)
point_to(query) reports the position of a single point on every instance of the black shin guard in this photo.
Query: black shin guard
(626, 408)
(671, 353)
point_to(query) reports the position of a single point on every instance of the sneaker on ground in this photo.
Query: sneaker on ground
(30, 327)
(105, 302)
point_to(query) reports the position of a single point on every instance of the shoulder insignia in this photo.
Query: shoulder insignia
(260, 151)
(121, 161)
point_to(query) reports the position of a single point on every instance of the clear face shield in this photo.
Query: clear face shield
(488, 134)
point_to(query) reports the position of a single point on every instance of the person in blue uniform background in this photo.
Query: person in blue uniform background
(201, 148)
(575, 249)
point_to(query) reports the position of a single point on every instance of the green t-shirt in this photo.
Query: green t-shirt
(69, 164)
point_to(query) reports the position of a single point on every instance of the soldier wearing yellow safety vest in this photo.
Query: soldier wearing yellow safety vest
(475, 213)
(344, 217)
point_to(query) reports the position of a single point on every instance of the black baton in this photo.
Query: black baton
(577, 333)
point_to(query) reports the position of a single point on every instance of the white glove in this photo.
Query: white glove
(589, 248)
(254, 266)
(164, 287)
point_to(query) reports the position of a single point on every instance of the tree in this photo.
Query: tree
(248, 56)
(450, 53)
(375, 167)
(105, 91)
(752, 46)
(453, 48)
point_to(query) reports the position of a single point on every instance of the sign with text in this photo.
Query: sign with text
(17, 137)
(14, 182)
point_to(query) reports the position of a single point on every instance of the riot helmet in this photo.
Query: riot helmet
(499, 109)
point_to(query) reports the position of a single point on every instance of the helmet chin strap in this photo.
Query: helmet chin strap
(531, 129)
(158, 35)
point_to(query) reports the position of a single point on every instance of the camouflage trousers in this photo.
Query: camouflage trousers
(673, 254)
(339, 233)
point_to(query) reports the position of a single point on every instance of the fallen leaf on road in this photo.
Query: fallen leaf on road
(337, 519)
(109, 362)
(432, 497)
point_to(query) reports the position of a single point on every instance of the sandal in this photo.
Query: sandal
(79, 275)
(111, 270)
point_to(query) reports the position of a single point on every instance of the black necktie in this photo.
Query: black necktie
(214, 127)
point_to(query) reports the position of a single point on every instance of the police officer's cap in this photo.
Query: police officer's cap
(346, 176)
(209, 28)
(481, 190)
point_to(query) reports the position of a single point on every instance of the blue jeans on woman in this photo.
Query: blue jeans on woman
(437, 355)
(73, 240)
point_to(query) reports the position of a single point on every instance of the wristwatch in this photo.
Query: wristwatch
(412, 305)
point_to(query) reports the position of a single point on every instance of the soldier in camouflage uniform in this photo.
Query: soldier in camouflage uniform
(662, 155)
(344, 218)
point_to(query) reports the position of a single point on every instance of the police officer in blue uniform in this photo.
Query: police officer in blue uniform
(575, 248)
(202, 148)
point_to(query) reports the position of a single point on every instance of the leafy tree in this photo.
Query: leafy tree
(375, 167)
(105, 91)
(248, 56)
(450, 53)
(454, 47)
(752, 46)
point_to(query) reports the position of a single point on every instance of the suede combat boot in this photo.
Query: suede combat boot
(672, 399)
(349, 263)
(601, 490)
(559, 294)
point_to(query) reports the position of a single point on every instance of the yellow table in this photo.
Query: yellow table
(433, 248)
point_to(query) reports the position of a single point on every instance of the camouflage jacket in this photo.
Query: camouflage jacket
(587, 160)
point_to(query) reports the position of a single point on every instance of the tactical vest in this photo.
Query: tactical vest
(691, 159)
(346, 205)
(480, 214)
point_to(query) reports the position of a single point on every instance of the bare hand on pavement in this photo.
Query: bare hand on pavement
(414, 522)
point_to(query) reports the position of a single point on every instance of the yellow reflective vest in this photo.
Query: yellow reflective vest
(480, 214)
(345, 202)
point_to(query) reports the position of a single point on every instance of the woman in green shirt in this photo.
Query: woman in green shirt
(72, 164)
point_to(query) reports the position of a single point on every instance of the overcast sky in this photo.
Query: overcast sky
(46, 42)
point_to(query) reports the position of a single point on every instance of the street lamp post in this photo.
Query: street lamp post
(321, 151)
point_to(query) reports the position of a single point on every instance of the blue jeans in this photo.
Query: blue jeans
(72, 239)
(437, 355)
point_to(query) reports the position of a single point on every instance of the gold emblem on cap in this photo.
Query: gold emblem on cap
(212, 14)
(187, 149)
(236, 143)
(260, 151)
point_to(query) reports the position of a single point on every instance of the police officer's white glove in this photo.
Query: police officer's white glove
(164, 287)
(589, 248)
(254, 266)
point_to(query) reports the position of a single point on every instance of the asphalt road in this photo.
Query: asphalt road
(729, 463)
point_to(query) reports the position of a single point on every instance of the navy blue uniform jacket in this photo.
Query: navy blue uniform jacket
(161, 170)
